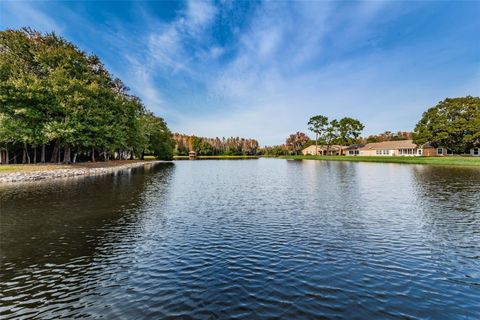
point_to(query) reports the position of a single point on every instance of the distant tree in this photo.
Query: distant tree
(453, 123)
(215, 146)
(332, 134)
(349, 131)
(296, 141)
(318, 125)
(389, 136)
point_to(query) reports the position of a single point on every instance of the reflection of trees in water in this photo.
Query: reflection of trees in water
(450, 202)
(52, 232)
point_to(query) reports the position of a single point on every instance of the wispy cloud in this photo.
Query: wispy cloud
(260, 69)
(23, 14)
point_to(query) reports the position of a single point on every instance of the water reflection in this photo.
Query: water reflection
(245, 239)
(52, 233)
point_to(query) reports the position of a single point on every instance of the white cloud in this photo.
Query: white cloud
(17, 14)
(199, 14)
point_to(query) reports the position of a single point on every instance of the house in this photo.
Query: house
(403, 148)
(322, 150)
(475, 152)
(353, 150)
(431, 151)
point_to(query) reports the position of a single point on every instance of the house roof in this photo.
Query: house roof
(401, 144)
(354, 146)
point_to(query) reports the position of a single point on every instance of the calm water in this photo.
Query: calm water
(245, 239)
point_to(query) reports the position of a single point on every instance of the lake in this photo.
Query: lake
(247, 239)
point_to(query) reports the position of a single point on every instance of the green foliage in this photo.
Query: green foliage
(318, 124)
(349, 131)
(344, 132)
(52, 93)
(453, 123)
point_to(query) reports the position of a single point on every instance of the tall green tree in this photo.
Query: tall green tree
(54, 95)
(453, 123)
(349, 131)
(318, 125)
(332, 133)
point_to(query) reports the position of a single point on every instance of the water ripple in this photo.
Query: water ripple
(245, 240)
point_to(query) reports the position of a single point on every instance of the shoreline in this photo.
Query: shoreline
(216, 157)
(40, 172)
(446, 161)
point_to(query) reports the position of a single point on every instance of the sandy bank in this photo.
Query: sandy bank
(22, 173)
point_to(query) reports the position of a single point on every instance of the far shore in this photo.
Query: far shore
(43, 171)
(216, 157)
(447, 160)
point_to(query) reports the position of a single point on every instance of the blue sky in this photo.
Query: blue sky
(261, 69)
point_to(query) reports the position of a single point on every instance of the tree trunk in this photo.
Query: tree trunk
(93, 154)
(316, 144)
(66, 154)
(74, 157)
(25, 157)
(42, 157)
(7, 160)
(54, 152)
(35, 154)
(143, 155)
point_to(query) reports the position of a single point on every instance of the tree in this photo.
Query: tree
(349, 131)
(296, 141)
(56, 96)
(453, 123)
(332, 133)
(318, 124)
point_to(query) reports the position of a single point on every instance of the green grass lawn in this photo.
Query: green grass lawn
(450, 161)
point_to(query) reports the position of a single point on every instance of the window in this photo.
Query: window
(419, 152)
(476, 151)
(439, 151)
(379, 151)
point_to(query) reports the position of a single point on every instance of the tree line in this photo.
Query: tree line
(60, 104)
(214, 146)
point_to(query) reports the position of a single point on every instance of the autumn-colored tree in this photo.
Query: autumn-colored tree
(296, 141)
(215, 146)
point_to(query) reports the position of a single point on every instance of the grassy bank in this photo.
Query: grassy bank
(217, 157)
(450, 161)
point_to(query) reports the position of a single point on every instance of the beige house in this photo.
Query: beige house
(321, 150)
(475, 152)
(403, 148)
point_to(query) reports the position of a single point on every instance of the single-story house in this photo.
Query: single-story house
(403, 148)
(322, 150)
(353, 150)
(475, 152)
